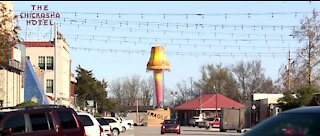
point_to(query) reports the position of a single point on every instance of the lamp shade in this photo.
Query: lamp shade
(158, 59)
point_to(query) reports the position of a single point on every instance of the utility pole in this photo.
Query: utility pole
(309, 62)
(214, 87)
(289, 67)
(137, 116)
(55, 64)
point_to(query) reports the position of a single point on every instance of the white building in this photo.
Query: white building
(41, 55)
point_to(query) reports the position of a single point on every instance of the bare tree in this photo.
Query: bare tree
(117, 90)
(147, 88)
(308, 57)
(131, 88)
(250, 79)
(217, 79)
(184, 93)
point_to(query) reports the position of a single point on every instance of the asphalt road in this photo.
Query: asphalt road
(186, 131)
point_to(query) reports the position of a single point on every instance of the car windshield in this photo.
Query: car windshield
(210, 119)
(169, 122)
(306, 124)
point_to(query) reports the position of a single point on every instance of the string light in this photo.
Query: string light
(167, 24)
(125, 39)
(208, 54)
(181, 14)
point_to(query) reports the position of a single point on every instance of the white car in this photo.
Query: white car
(123, 125)
(195, 120)
(127, 121)
(114, 124)
(92, 126)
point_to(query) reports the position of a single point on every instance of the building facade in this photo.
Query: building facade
(12, 69)
(42, 55)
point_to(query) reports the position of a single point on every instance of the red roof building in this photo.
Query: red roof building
(209, 103)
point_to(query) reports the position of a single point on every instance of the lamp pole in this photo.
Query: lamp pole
(214, 87)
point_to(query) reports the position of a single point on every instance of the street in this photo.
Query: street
(186, 131)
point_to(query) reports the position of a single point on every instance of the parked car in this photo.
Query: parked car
(295, 122)
(129, 122)
(170, 126)
(210, 123)
(92, 126)
(114, 124)
(43, 120)
(195, 120)
(105, 126)
(124, 124)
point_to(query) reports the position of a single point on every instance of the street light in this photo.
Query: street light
(174, 102)
(214, 88)
(253, 107)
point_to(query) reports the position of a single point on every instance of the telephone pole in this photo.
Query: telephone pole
(309, 62)
(289, 67)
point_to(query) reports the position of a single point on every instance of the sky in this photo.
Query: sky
(114, 38)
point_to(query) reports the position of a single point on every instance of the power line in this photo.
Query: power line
(172, 24)
(214, 33)
(164, 15)
(124, 39)
(210, 54)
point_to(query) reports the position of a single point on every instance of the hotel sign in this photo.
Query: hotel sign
(39, 15)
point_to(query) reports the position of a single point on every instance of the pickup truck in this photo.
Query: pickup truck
(210, 123)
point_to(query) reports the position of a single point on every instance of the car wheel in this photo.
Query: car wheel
(115, 132)
(179, 133)
(124, 129)
(239, 131)
(223, 130)
(162, 133)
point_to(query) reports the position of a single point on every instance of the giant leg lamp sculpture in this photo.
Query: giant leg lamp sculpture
(158, 63)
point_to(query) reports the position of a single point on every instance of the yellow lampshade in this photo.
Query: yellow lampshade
(158, 59)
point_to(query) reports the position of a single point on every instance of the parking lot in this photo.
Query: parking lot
(186, 131)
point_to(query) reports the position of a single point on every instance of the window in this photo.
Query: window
(16, 123)
(41, 122)
(110, 120)
(67, 120)
(49, 63)
(102, 121)
(86, 121)
(41, 62)
(49, 86)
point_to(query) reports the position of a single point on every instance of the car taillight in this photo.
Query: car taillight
(84, 133)
(101, 131)
(177, 127)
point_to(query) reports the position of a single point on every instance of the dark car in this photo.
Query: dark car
(296, 122)
(44, 120)
(170, 126)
